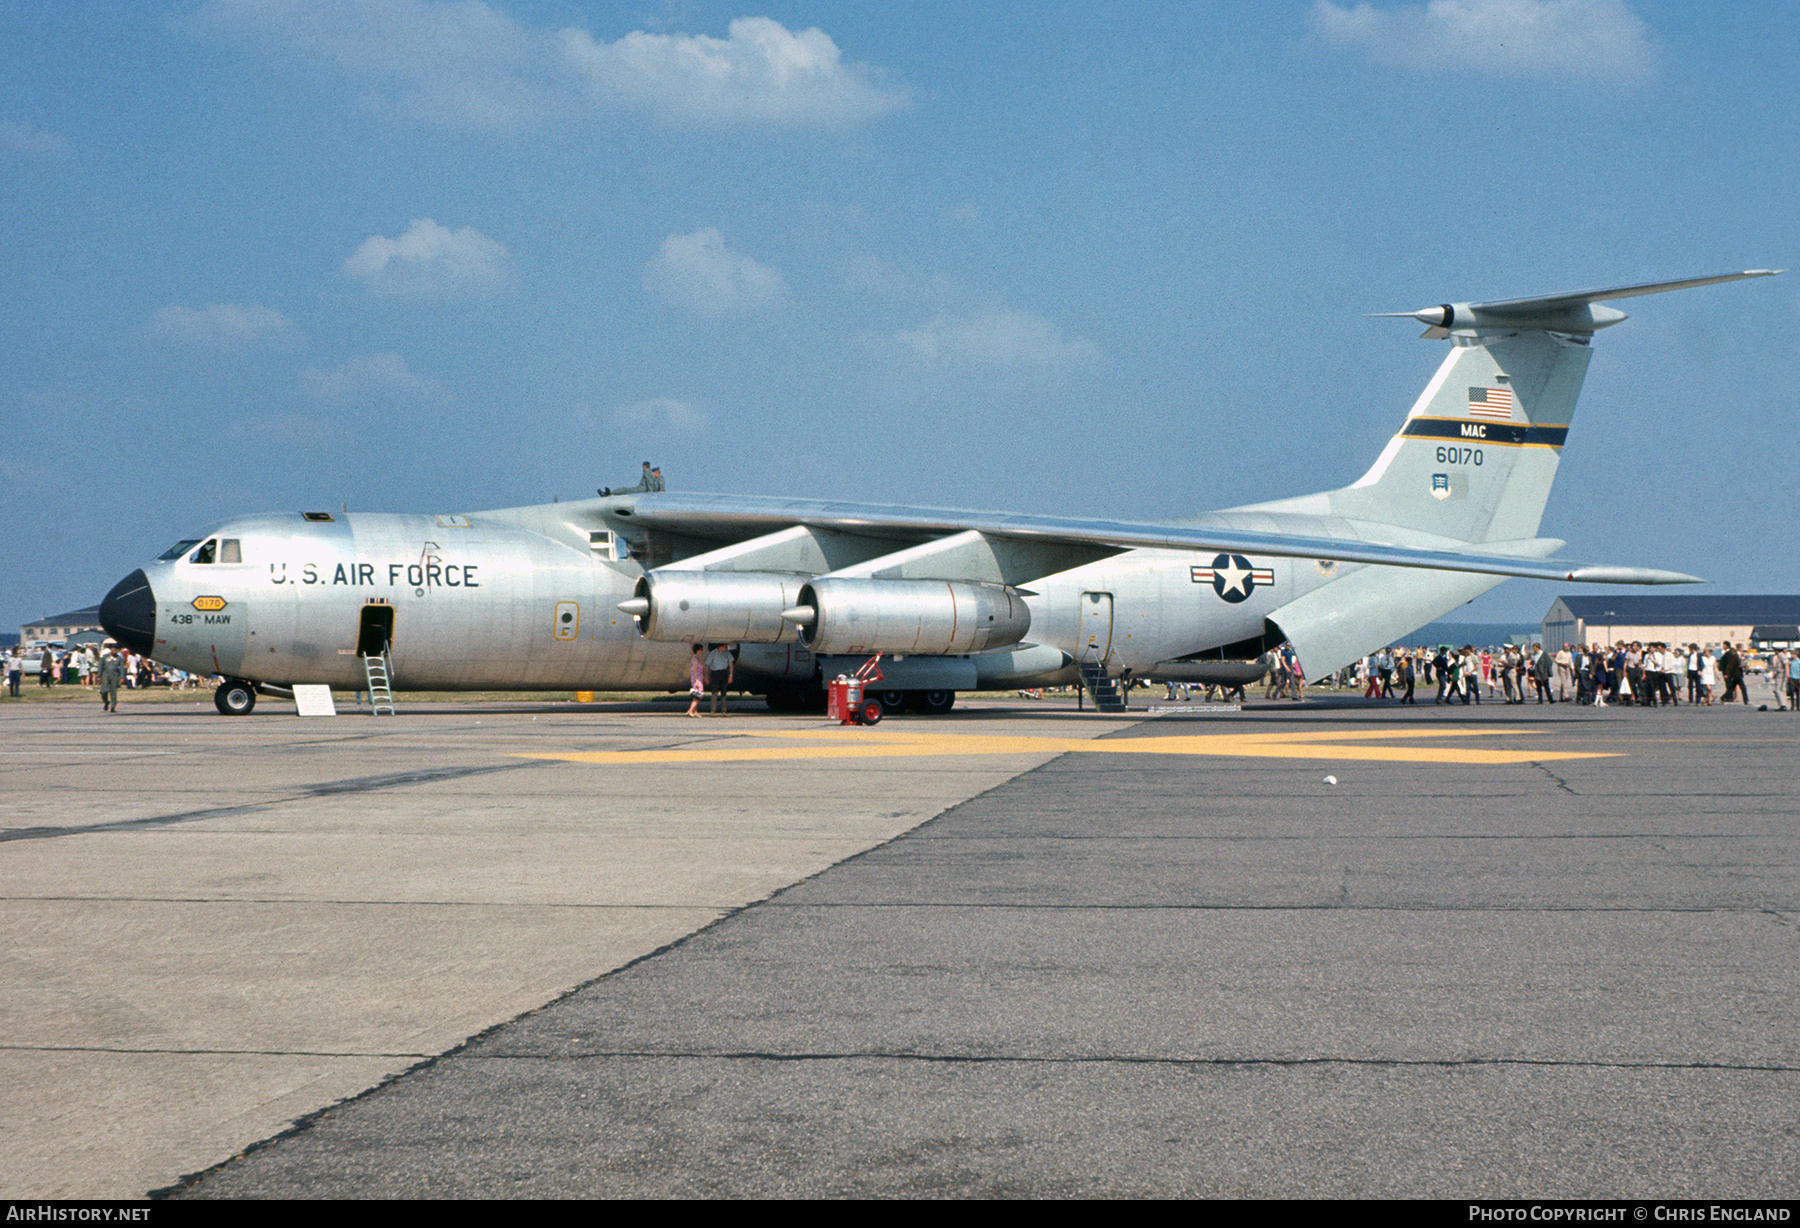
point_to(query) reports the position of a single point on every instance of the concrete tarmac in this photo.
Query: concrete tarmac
(1513, 951)
(213, 926)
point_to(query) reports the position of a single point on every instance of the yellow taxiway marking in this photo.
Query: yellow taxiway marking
(848, 743)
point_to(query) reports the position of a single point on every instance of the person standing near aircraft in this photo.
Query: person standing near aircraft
(112, 673)
(721, 668)
(1472, 673)
(1272, 675)
(696, 679)
(1731, 665)
(1543, 668)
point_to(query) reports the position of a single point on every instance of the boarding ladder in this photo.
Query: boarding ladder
(378, 670)
(1098, 684)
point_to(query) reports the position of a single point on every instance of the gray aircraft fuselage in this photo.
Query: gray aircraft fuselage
(471, 602)
(611, 593)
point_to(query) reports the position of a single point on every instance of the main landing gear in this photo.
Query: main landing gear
(235, 697)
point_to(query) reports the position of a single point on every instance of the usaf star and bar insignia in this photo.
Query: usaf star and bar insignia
(1232, 577)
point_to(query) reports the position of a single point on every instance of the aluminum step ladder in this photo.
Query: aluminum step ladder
(378, 671)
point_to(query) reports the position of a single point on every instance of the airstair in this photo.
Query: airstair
(1099, 684)
(378, 670)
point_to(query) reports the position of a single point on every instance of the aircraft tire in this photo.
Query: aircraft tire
(891, 701)
(235, 697)
(931, 703)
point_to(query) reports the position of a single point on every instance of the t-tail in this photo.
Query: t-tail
(1472, 465)
(1475, 458)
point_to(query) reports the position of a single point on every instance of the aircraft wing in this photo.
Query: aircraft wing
(742, 516)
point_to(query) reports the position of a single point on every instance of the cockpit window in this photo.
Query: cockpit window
(177, 550)
(229, 551)
(206, 553)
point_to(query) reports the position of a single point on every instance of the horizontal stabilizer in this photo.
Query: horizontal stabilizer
(1570, 312)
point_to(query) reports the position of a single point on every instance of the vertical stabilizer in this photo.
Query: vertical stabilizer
(1475, 458)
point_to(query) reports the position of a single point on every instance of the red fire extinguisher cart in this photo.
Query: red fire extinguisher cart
(847, 700)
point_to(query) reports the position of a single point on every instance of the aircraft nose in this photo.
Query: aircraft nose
(129, 613)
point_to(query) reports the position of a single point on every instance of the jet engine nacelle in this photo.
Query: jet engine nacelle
(931, 617)
(714, 606)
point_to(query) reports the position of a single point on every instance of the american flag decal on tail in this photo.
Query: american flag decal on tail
(1493, 404)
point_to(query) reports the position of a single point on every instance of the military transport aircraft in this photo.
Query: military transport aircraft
(610, 593)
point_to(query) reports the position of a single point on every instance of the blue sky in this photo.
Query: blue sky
(1074, 259)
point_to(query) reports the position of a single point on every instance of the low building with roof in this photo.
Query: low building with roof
(1765, 636)
(62, 626)
(1680, 618)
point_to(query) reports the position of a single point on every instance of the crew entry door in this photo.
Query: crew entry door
(376, 634)
(1096, 626)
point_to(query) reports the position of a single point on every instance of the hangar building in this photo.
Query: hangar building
(61, 626)
(1677, 619)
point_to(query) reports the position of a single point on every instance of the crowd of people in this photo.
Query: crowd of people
(92, 668)
(1646, 675)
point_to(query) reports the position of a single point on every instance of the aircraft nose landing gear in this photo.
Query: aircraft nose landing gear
(235, 697)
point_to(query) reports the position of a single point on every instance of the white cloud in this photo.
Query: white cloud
(661, 413)
(1579, 39)
(432, 261)
(470, 64)
(968, 213)
(461, 64)
(699, 272)
(761, 72)
(23, 138)
(373, 377)
(998, 338)
(223, 326)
